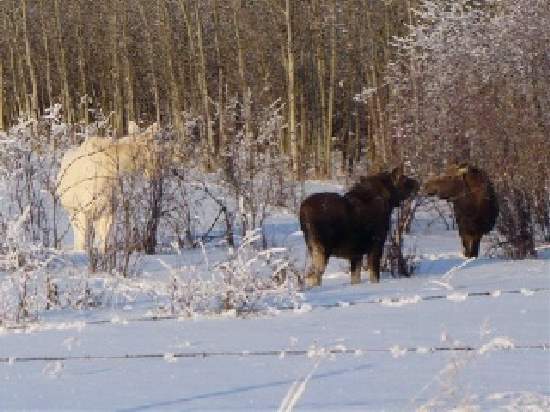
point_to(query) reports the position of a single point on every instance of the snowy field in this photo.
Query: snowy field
(459, 335)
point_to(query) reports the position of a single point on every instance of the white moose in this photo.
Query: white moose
(88, 179)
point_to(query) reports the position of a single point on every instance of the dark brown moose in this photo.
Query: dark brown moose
(353, 224)
(472, 194)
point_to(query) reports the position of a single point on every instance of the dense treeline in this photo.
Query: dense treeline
(329, 87)
(156, 60)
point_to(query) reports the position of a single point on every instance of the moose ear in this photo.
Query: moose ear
(463, 169)
(133, 128)
(396, 173)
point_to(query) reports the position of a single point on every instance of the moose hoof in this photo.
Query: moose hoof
(355, 280)
(312, 281)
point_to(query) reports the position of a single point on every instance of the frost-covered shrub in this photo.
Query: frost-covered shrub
(34, 279)
(27, 287)
(28, 167)
(469, 84)
(256, 169)
(247, 281)
(252, 274)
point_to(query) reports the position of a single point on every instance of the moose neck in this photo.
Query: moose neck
(132, 152)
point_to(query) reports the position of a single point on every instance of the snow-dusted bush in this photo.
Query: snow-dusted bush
(470, 84)
(29, 162)
(249, 280)
(256, 170)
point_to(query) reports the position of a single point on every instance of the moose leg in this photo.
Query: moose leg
(356, 262)
(465, 247)
(79, 224)
(473, 246)
(373, 261)
(319, 263)
(103, 227)
(465, 242)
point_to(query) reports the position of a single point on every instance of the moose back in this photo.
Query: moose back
(352, 225)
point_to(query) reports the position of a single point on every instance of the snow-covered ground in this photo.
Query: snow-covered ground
(469, 335)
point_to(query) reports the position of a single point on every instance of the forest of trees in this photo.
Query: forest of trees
(215, 60)
(328, 88)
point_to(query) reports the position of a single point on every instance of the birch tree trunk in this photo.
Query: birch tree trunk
(372, 99)
(193, 72)
(291, 92)
(46, 45)
(32, 73)
(204, 93)
(128, 78)
(320, 57)
(221, 101)
(175, 98)
(16, 106)
(2, 125)
(67, 103)
(151, 61)
(330, 113)
(83, 83)
(25, 97)
(413, 71)
(20, 74)
(303, 135)
(245, 93)
(118, 98)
